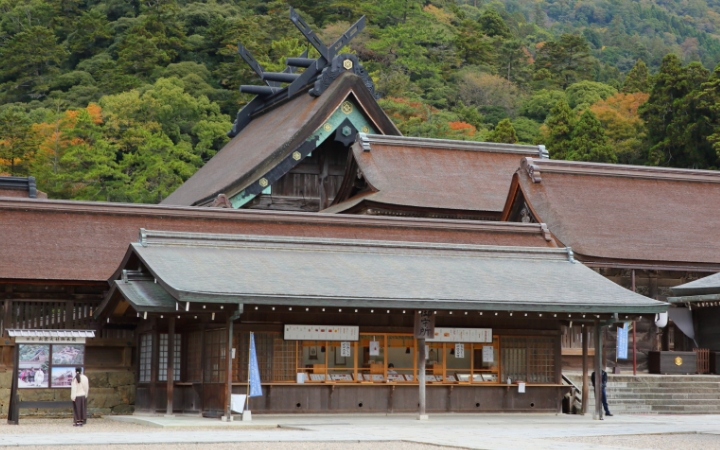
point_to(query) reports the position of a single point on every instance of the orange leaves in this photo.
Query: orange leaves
(463, 128)
(95, 112)
(625, 105)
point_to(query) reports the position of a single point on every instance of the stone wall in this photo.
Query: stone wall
(111, 392)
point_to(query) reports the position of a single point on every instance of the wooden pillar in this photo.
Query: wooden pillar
(170, 365)
(14, 410)
(585, 380)
(228, 354)
(7, 316)
(421, 379)
(69, 313)
(634, 326)
(598, 414)
(154, 366)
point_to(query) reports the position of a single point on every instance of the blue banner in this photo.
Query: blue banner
(255, 389)
(622, 342)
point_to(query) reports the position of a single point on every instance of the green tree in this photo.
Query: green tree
(560, 124)
(539, 104)
(18, 144)
(504, 133)
(638, 79)
(588, 141)
(585, 93)
(677, 126)
(567, 59)
(28, 59)
(491, 24)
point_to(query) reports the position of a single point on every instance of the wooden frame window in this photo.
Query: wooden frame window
(145, 358)
(162, 363)
(215, 356)
(529, 359)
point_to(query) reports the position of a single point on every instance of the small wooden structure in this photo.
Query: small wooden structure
(330, 316)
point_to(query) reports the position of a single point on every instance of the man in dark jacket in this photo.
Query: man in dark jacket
(604, 395)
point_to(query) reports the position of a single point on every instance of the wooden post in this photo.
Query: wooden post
(598, 415)
(228, 413)
(634, 336)
(7, 316)
(421, 379)
(585, 380)
(170, 365)
(14, 410)
(154, 367)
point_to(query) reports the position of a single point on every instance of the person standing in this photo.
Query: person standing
(604, 394)
(39, 377)
(78, 394)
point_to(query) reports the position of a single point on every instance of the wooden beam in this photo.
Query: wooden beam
(598, 414)
(421, 378)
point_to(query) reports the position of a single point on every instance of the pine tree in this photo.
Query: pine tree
(638, 79)
(504, 133)
(493, 25)
(560, 124)
(677, 128)
(588, 142)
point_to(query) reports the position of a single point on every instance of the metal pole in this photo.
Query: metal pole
(170, 365)
(598, 414)
(585, 387)
(421, 379)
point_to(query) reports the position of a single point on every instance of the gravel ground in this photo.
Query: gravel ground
(653, 441)
(264, 446)
(48, 426)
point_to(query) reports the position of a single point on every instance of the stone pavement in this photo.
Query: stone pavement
(473, 431)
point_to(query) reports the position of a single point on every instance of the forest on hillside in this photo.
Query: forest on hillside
(123, 100)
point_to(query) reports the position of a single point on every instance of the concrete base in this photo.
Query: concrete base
(169, 415)
(246, 416)
(226, 418)
(423, 417)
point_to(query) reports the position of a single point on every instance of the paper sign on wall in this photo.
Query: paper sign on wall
(345, 349)
(461, 335)
(488, 353)
(321, 333)
(460, 351)
(374, 348)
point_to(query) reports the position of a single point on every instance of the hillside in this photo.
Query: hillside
(124, 100)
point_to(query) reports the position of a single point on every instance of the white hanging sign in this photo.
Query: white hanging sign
(345, 349)
(459, 351)
(462, 335)
(374, 348)
(488, 353)
(321, 333)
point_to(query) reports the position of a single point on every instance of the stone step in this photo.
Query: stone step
(648, 391)
(644, 401)
(665, 395)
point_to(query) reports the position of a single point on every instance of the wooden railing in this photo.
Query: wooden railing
(703, 360)
(46, 314)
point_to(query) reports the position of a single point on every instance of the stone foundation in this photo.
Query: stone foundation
(111, 392)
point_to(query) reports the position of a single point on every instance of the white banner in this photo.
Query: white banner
(321, 333)
(462, 335)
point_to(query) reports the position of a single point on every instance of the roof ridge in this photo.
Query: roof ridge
(536, 166)
(366, 140)
(152, 238)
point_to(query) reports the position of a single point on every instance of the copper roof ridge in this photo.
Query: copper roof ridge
(86, 207)
(366, 140)
(536, 166)
(153, 238)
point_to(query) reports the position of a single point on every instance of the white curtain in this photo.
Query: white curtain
(682, 317)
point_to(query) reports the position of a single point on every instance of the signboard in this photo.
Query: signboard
(462, 335)
(345, 349)
(488, 353)
(424, 324)
(43, 365)
(374, 348)
(622, 341)
(321, 333)
(460, 351)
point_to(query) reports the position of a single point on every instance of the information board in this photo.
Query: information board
(321, 333)
(462, 335)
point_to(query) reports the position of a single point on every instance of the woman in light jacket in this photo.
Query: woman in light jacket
(78, 394)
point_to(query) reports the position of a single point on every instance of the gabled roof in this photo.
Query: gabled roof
(271, 137)
(85, 241)
(436, 174)
(624, 216)
(703, 286)
(388, 274)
